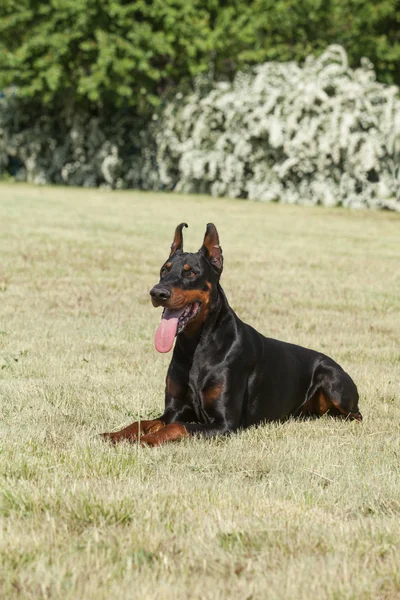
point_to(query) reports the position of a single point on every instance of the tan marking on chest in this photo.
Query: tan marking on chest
(175, 389)
(212, 394)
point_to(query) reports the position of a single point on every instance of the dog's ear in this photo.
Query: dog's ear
(211, 248)
(177, 244)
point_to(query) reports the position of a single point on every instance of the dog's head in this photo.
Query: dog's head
(188, 282)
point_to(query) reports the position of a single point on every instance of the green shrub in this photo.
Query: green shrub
(92, 54)
(99, 55)
(116, 150)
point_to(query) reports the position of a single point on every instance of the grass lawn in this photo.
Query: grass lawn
(298, 510)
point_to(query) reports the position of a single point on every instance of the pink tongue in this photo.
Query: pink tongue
(166, 331)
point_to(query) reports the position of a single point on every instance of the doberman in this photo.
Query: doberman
(224, 375)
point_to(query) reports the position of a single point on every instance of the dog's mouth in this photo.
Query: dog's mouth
(189, 313)
(172, 323)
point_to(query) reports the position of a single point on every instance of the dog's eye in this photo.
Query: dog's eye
(163, 272)
(190, 274)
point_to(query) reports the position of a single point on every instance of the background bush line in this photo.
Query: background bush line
(321, 133)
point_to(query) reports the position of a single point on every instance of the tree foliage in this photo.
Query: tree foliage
(100, 53)
(111, 53)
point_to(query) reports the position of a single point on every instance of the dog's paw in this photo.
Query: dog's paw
(109, 437)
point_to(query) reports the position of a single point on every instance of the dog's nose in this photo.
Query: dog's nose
(160, 293)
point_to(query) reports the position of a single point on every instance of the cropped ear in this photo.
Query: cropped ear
(211, 248)
(177, 244)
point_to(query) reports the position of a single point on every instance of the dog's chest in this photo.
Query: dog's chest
(201, 379)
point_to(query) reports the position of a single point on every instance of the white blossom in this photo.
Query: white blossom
(320, 133)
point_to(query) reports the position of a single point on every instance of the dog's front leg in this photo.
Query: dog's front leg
(140, 429)
(177, 431)
(134, 431)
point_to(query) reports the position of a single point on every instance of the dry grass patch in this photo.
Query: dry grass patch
(295, 510)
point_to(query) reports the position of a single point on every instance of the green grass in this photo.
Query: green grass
(297, 510)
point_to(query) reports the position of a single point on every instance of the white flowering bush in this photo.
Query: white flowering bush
(320, 133)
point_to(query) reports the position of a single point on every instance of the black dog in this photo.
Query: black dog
(224, 375)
